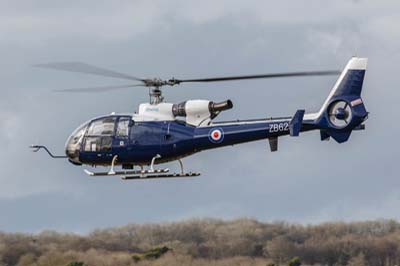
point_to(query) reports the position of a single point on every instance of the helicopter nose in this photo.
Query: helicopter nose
(73, 145)
(72, 150)
(73, 155)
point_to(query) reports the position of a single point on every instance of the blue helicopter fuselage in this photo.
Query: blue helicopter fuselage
(141, 141)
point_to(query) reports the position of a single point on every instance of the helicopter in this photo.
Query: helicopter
(162, 132)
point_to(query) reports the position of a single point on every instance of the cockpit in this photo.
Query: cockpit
(97, 136)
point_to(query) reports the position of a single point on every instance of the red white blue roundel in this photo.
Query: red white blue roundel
(216, 135)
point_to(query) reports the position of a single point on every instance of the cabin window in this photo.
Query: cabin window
(102, 127)
(97, 144)
(123, 126)
(100, 134)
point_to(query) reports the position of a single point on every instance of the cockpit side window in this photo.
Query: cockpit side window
(99, 135)
(123, 126)
(102, 127)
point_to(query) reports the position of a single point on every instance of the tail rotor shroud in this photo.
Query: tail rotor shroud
(340, 114)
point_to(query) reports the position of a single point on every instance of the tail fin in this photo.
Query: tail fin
(349, 83)
(343, 110)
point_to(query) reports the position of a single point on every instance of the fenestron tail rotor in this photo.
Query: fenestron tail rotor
(155, 84)
(340, 114)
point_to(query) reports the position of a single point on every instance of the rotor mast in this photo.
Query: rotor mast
(155, 95)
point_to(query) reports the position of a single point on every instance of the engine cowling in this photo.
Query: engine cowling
(200, 111)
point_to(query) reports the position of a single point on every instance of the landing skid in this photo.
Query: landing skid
(173, 175)
(143, 174)
(126, 173)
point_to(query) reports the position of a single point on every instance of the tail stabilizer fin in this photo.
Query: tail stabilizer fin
(349, 83)
(296, 122)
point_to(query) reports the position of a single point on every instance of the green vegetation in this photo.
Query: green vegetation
(294, 262)
(243, 242)
(154, 253)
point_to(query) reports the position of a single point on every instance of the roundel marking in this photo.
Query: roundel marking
(216, 135)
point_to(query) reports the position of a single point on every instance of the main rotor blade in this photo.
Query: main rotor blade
(99, 89)
(262, 76)
(87, 69)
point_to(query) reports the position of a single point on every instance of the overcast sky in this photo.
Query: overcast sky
(306, 181)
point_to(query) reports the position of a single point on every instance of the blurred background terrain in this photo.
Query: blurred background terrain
(211, 242)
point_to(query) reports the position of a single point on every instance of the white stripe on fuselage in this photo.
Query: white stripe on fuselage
(245, 123)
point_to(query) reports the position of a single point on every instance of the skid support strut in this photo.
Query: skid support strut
(114, 160)
(158, 156)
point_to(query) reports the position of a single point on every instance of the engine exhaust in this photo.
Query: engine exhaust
(219, 107)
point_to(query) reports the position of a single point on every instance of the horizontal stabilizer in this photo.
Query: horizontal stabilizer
(273, 143)
(295, 123)
(359, 127)
(324, 135)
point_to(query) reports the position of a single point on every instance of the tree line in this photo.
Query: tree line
(211, 241)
